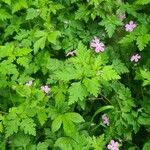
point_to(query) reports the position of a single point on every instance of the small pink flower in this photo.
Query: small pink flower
(135, 58)
(71, 53)
(113, 145)
(98, 45)
(105, 119)
(45, 88)
(29, 83)
(130, 26)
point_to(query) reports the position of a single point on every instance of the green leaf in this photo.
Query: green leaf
(42, 116)
(4, 15)
(39, 44)
(145, 76)
(40, 33)
(110, 29)
(54, 7)
(119, 67)
(56, 124)
(23, 61)
(108, 73)
(28, 126)
(52, 112)
(142, 2)
(4, 81)
(31, 13)
(98, 143)
(142, 41)
(18, 5)
(96, 2)
(110, 23)
(6, 67)
(22, 51)
(52, 37)
(64, 143)
(22, 90)
(82, 13)
(68, 73)
(144, 119)
(81, 49)
(21, 139)
(74, 117)
(146, 145)
(68, 126)
(92, 86)
(1, 127)
(101, 109)
(42, 146)
(6, 51)
(12, 126)
(31, 147)
(77, 92)
(129, 8)
(7, 2)
(128, 39)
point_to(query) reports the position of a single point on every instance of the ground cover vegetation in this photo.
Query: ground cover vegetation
(74, 75)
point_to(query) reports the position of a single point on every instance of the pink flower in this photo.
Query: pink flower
(99, 46)
(113, 145)
(135, 58)
(130, 26)
(105, 119)
(29, 83)
(45, 88)
(71, 53)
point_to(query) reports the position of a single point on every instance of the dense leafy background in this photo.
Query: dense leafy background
(35, 36)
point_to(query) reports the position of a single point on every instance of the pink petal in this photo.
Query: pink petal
(131, 22)
(116, 144)
(93, 45)
(97, 50)
(112, 142)
(109, 146)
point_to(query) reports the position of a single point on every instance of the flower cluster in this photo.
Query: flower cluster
(135, 58)
(45, 88)
(98, 45)
(113, 145)
(105, 119)
(130, 26)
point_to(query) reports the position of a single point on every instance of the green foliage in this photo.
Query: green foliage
(21, 140)
(68, 120)
(141, 36)
(144, 2)
(119, 67)
(31, 13)
(42, 146)
(108, 73)
(64, 143)
(110, 23)
(4, 15)
(143, 75)
(49, 43)
(98, 143)
(92, 85)
(77, 92)
(146, 146)
(28, 126)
